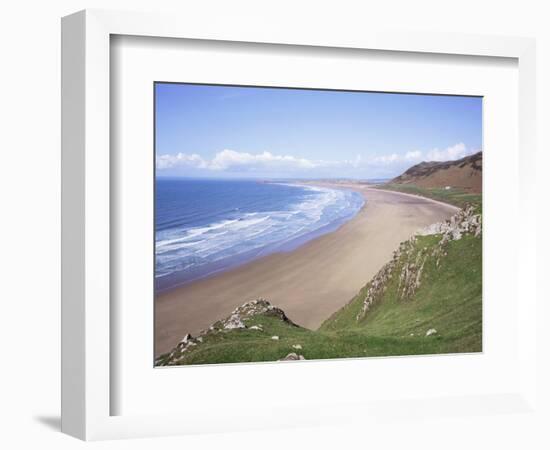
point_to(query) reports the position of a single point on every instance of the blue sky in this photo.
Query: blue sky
(249, 132)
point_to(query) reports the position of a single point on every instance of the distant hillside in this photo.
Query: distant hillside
(465, 174)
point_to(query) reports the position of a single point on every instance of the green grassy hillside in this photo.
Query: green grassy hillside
(454, 196)
(433, 283)
(447, 300)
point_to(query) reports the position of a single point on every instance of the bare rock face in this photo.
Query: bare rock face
(412, 260)
(411, 273)
(240, 315)
(179, 351)
(186, 339)
(412, 265)
(293, 357)
(377, 286)
(465, 221)
(235, 321)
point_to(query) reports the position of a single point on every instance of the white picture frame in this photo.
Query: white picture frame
(86, 220)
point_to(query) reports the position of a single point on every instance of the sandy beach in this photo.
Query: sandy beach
(309, 283)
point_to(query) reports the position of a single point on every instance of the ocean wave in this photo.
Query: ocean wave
(195, 251)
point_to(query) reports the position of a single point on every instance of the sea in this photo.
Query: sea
(203, 226)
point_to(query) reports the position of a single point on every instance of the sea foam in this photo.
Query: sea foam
(184, 253)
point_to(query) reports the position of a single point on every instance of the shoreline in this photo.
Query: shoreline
(287, 245)
(310, 282)
(439, 202)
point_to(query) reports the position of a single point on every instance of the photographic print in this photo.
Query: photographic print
(304, 224)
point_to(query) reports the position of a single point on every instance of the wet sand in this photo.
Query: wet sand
(309, 283)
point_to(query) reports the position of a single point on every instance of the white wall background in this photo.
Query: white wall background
(29, 225)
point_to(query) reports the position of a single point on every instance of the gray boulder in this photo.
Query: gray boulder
(293, 357)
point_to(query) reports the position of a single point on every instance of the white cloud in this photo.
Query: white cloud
(414, 155)
(267, 162)
(395, 159)
(231, 160)
(387, 159)
(168, 161)
(457, 151)
(451, 153)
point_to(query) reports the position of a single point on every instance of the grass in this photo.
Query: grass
(448, 299)
(454, 196)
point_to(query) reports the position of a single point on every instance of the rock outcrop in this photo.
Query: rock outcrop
(411, 260)
(407, 264)
(293, 357)
(236, 320)
(465, 221)
(179, 351)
